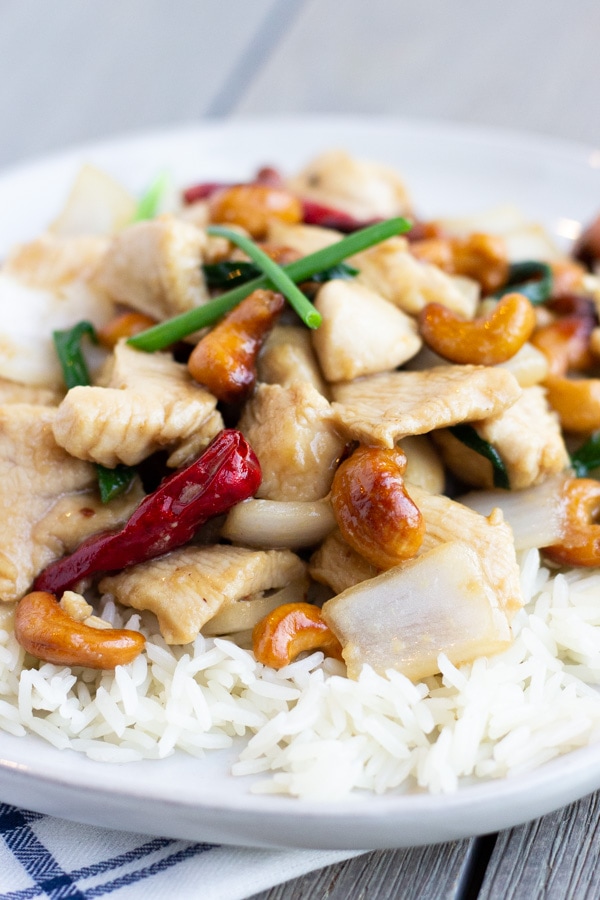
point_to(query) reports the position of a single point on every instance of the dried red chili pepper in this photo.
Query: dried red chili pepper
(205, 189)
(202, 191)
(328, 217)
(226, 473)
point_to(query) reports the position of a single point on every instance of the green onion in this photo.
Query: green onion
(587, 457)
(531, 278)
(151, 201)
(229, 274)
(467, 435)
(341, 272)
(166, 333)
(70, 355)
(111, 482)
(276, 275)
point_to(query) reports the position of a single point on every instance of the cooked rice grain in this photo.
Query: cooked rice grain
(318, 733)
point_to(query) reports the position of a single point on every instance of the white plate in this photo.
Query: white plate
(448, 170)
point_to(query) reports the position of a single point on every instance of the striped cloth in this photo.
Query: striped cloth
(44, 857)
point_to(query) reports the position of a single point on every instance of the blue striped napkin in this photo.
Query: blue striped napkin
(44, 857)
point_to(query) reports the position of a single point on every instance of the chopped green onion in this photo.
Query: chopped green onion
(151, 201)
(70, 355)
(111, 482)
(467, 435)
(276, 275)
(341, 272)
(587, 457)
(531, 278)
(229, 274)
(166, 333)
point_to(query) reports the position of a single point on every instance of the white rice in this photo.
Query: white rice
(314, 732)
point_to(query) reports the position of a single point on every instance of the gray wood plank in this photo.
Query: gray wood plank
(73, 71)
(506, 63)
(421, 873)
(556, 857)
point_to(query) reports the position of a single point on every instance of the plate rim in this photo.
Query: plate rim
(398, 806)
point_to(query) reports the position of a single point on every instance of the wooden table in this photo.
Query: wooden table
(73, 71)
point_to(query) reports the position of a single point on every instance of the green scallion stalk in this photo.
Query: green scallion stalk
(150, 203)
(111, 482)
(531, 278)
(587, 457)
(467, 435)
(166, 333)
(228, 274)
(70, 355)
(276, 275)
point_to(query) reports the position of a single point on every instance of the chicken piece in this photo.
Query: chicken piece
(361, 333)
(12, 392)
(187, 587)
(527, 436)
(27, 353)
(490, 537)
(528, 365)
(524, 239)
(149, 402)
(155, 267)
(304, 239)
(288, 357)
(52, 261)
(423, 464)
(405, 617)
(72, 519)
(197, 442)
(382, 409)
(49, 500)
(363, 189)
(197, 213)
(338, 566)
(391, 270)
(291, 432)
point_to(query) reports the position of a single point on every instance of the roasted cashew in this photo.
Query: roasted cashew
(565, 344)
(567, 277)
(224, 361)
(254, 207)
(46, 631)
(580, 545)
(577, 402)
(289, 630)
(485, 341)
(479, 256)
(124, 325)
(373, 511)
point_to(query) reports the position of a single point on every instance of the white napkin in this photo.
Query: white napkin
(41, 856)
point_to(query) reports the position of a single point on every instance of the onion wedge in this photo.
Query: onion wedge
(403, 619)
(536, 515)
(279, 524)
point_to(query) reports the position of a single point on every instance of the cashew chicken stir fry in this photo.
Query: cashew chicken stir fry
(292, 413)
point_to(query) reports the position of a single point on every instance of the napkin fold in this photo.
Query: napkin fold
(42, 856)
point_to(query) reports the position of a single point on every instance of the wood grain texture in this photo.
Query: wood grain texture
(72, 71)
(527, 66)
(422, 873)
(556, 857)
